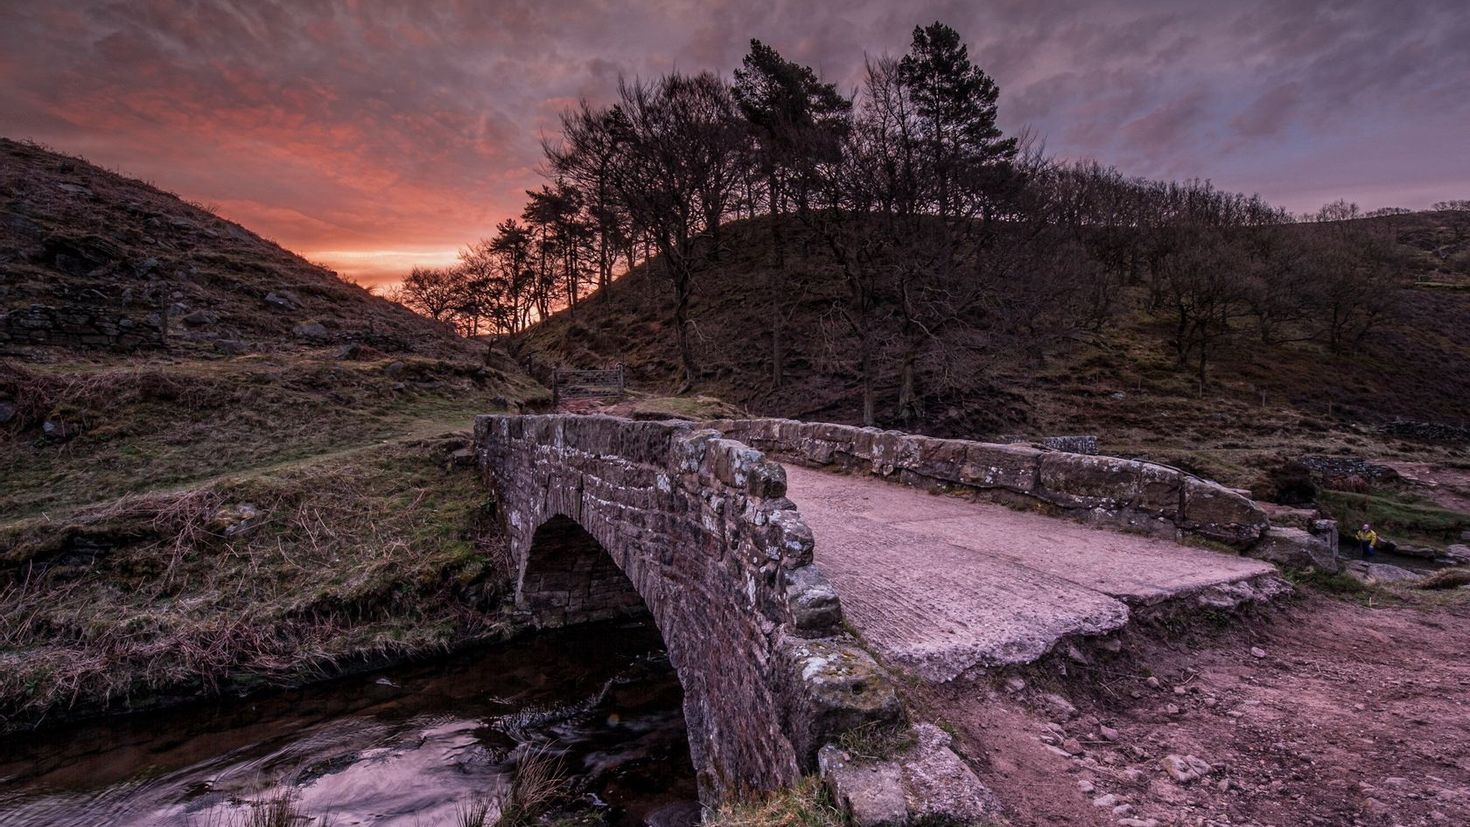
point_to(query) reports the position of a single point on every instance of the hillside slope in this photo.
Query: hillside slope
(1122, 383)
(221, 467)
(92, 259)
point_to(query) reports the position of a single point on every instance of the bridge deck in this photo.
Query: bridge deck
(939, 584)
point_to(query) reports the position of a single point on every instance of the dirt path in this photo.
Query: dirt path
(939, 585)
(1343, 715)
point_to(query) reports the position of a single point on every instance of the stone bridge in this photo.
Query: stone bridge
(695, 525)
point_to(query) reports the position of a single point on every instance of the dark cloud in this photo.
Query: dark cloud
(374, 134)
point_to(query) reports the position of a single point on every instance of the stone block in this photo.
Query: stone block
(1213, 511)
(987, 465)
(868, 793)
(1295, 548)
(1080, 481)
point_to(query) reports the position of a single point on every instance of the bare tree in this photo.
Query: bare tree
(678, 175)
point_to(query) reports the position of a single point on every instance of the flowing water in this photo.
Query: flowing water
(412, 746)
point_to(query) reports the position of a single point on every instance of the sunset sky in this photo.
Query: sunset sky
(371, 136)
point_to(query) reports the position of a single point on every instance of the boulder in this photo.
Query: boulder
(57, 430)
(1295, 548)
(1374, 574)
(200, 318)
(869, 794)
(282, 299)
(1422, 552)
(1458, 554)
(1184, 768)
(315, 331)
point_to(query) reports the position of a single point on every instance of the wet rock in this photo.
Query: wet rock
(1184, 768)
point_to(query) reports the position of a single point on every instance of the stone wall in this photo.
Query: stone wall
(1125, 493)
(80, 326)
(700, 527)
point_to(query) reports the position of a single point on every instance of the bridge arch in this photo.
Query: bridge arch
(606, 516)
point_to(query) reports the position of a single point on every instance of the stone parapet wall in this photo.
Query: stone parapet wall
(700, 526)
(1131, 494)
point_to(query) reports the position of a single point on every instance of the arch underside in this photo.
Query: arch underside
(569, 578)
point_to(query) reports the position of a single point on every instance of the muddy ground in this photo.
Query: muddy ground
(1324, 711)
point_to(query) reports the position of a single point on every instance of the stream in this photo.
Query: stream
(412, 746)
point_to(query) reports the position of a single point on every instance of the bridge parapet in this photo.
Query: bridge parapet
(1132, 494)
(700, 527)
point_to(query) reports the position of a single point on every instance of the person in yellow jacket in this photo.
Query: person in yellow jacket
(1367, 540)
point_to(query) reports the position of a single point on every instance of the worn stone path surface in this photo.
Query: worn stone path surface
(940, 585)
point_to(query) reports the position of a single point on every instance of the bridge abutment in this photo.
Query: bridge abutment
(606, 516)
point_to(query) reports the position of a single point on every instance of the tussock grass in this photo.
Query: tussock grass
(537, 784)
(1445, 579)
(362, 558)
(805, 804)
(876, 741)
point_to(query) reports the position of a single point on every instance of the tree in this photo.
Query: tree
(954, 102)
(434, 292)
(677, 176)
(795, 120)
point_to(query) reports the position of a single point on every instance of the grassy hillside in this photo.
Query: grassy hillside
(1265, 402)
(264, 492)
(78, 237)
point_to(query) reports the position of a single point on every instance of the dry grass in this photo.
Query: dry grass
(275, 810)
(1445, 579)
(367, 557)
(148, 425)
(537, 784)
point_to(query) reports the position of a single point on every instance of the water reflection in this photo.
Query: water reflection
(406, 747)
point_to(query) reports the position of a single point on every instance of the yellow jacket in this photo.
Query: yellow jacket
(1370, 535)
